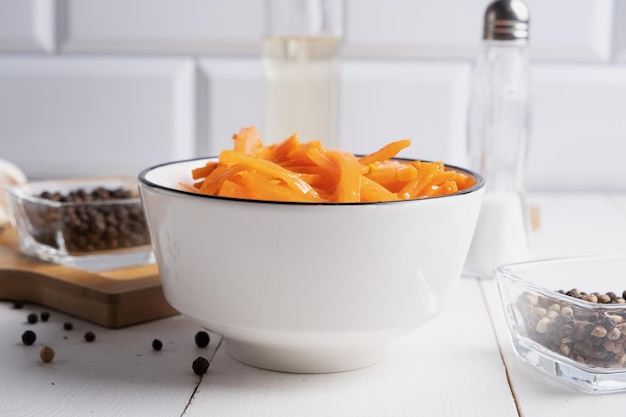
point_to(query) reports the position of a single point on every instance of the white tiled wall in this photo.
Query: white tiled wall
(215, 27)
(27, 26)
(90, 87)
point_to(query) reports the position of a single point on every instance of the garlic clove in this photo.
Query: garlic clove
(10, 174)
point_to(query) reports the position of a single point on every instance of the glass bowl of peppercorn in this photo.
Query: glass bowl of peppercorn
(86, 223)
(566, 316)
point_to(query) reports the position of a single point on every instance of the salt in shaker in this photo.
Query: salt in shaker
(498, 134)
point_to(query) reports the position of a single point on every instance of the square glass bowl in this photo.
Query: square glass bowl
(567, 317)
(87, 223)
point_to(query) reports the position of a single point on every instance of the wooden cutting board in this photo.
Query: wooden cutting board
(115, 298)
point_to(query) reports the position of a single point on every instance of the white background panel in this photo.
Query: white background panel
(231, 97)
(75, 116)
(386, 101)
(26, 25)
(578, 30)
(620, 31)
(168, 26)
(409, 28)
(560, 29)
(579, 132)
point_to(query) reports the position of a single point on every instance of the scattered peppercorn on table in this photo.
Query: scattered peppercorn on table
(460, 364)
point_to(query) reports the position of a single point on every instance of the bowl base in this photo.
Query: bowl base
(305, 360)
(585, 378)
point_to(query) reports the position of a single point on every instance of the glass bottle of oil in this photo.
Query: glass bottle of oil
(301, 49)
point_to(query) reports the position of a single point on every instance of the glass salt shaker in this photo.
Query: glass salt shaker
(498, 133)
(301, 50)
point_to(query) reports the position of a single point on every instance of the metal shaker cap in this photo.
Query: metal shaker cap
(506, 20)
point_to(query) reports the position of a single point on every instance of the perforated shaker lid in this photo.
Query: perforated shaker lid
(506, 20)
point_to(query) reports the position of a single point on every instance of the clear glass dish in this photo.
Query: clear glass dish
(559, 320)
(87, 223)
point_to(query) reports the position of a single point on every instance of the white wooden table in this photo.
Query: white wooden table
(460, 364)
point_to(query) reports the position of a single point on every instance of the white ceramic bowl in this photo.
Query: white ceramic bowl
(307, 288)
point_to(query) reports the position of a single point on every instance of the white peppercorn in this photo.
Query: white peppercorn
(542, 325)
(46, 354)
(614, 334)
(552, 314)
(616, 318)
(565, 349)
(604, 298)
(533, 299)
(598, 331)
(555, 307)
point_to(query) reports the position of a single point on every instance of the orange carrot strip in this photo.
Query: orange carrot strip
(348, 188)
(283, 149)
(214, 181)
(464, 181)
(448, 187)
(247, 141)
(425, 174)
(325, 184)
(315, 152)
(392, 175)
(371, 191)
(188, 188)
(203, 171)
(386, 152)
(262, 188)
(405, 192)
(308, 169)
(443, 176)
(308, 154)
(233, 190)
(268, 168)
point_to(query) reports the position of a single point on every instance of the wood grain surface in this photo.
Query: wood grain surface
(114, 298)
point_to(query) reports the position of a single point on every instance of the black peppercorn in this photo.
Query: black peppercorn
(157, 344)
(44, 316)
(18, 304)
(90, 336)
(202, 339)
(200, 365)
(32, 318)
(68, 326)
(565, 330)
(29, 337)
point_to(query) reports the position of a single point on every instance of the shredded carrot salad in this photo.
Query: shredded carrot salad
(308, 172)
